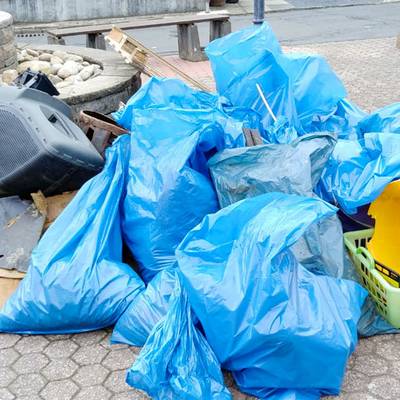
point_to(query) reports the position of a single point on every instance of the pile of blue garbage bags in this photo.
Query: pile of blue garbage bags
(239, 254)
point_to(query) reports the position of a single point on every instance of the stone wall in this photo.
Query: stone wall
(64, 10)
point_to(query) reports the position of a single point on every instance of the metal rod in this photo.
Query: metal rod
(259, 11)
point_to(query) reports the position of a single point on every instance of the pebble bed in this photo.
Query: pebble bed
(62, 68)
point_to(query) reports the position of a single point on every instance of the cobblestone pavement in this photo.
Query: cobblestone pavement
(86, 367)
(370, 69)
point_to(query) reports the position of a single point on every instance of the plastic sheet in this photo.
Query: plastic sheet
(169, 189)
(144, 312)
(343, 122)
(386, 119)
(358, 171)
(176, 361)
(259, 328)
(298, 87)
(293, 168)
(76, 280)
(251, 171)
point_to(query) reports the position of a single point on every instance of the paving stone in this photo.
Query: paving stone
(390, 350)
(131, 395)
(90, 355)
(385, 387)
(107, 345)
(31, 344)
(30, 398)
(93, 393)
(7, 357)
(354, 381)
(53, 338)
(116, 382)
(27, 385)
(61, 349)
(62, 368)
(7, 340)
(91, 375)
(366, 346)
(370, 365)
(119, 359)
(359, 396)
(89, 338)
(60, 390)
(6, 394)
(28, 363)
(7, 375)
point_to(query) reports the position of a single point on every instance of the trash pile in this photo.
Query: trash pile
(239, 256)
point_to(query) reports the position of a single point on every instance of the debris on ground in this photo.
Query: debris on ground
(21, 225)
(239, 256)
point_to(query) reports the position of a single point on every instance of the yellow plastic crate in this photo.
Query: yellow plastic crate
(385, 296)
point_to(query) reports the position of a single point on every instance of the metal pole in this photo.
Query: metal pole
(259, 11)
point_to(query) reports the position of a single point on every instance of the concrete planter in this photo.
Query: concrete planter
(64, 10)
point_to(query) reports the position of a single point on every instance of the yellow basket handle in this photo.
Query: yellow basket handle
(367, 255)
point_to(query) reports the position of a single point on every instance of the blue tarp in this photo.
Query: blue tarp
(386, 119)
(299, 87)
(76, 280)
(169, 189)
(176, 361)
(146, 310)
(262, 312)
(359, 170)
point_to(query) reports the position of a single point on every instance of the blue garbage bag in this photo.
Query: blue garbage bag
(359, 170)
(163, 93)
(76, 280)
(262, 312)
(343, 122)
(176, 361)
(297, 87)
(248, 172)
(148, 307)
(169, 189)
(386, 119)
(280, 132)
(293, 168)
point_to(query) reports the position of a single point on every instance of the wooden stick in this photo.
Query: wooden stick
(271, 113)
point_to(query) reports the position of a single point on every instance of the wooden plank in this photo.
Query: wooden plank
(138, 24)
(146, 60)
(9, 281)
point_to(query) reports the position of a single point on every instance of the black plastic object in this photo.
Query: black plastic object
(360, 220)
(40, 147)
(36, 80)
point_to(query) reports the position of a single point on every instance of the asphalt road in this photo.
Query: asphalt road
(292, 27)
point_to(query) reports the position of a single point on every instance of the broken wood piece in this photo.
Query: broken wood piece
(146, 60)
(56, 205)
(252, 137)
(9, 281)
